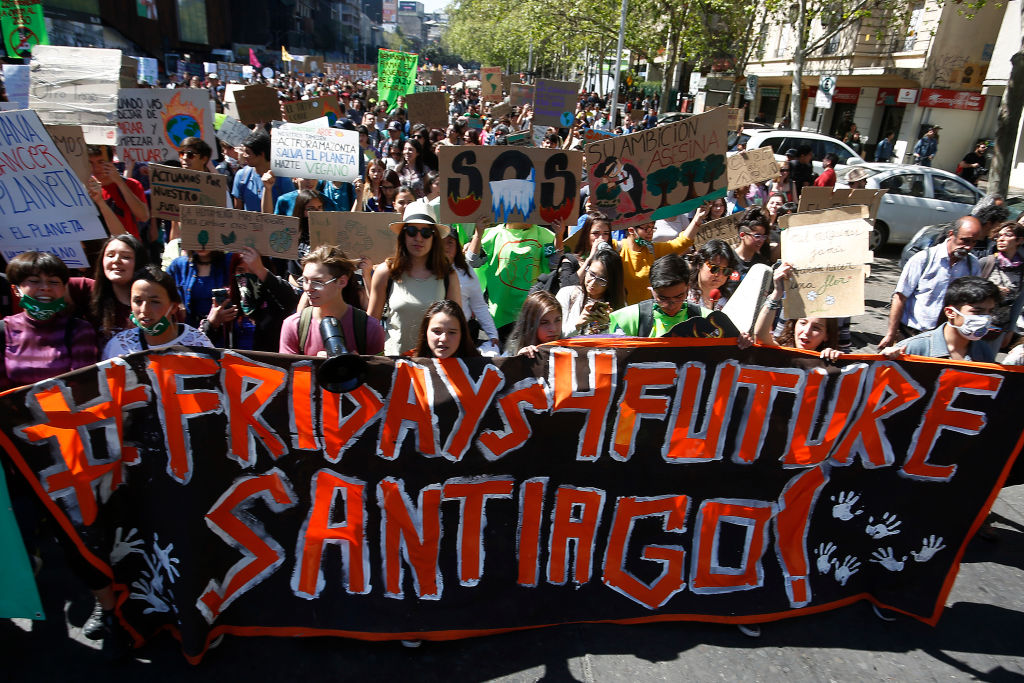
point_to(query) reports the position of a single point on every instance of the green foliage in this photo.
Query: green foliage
(691, 172)
(663, 181)
(714, 169)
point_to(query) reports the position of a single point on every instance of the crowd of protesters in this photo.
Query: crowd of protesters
(455, 291)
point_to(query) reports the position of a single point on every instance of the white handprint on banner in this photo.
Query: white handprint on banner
(824, 553)
(849, 567)
(889, 526)
(929, 547)
(843, 506)
(123, 547)
(887, 559)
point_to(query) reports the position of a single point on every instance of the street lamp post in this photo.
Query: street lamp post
(618, 63)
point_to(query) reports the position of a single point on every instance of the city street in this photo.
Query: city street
(978, 637)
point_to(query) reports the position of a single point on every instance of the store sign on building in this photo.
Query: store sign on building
(952, 99)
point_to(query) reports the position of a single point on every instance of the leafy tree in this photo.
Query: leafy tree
(691, 172)
(663, 181)
(714, 169)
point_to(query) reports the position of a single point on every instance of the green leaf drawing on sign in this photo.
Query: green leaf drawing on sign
(229, 238)
(203, 238)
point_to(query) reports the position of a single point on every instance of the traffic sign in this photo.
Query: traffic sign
(751, 91)
(826, 88)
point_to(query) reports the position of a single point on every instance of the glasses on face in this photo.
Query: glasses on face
(597, 278)
(188, 154)
(754, 236)
(314, 285)
(669, 300)
(715, 270)
(425, 233)
(388, 187)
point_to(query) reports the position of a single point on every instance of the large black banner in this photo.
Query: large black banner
(659, 480)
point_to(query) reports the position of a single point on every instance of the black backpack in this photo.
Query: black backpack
(563, 276)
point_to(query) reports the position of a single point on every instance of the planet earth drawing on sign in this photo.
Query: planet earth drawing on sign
(566, 118)
(181, 126)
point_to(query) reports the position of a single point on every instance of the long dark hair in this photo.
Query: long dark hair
(584, 245)
(436, 259)
(459, 262)
(103, 302)
(467, 348)
(303, 198)
(524, 333)
(390, 178)
(788, 336)
(712, 249)
(615, 292)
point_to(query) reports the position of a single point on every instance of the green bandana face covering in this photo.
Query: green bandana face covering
(42, 310)
(159, 327)
(641, 242)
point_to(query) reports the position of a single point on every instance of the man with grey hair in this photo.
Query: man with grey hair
(917, 300)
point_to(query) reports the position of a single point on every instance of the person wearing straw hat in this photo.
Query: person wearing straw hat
(403, 287)
(857, 179)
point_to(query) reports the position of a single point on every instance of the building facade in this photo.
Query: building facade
(923, 66)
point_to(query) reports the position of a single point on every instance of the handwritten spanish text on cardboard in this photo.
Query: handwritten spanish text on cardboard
(171, 188)
(322, 153)
(753, 166)
(207, 227)
(153, 122)
(816, 198)
(661, 172)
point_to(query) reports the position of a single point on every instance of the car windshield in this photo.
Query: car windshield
(842, 173)
(735, 139)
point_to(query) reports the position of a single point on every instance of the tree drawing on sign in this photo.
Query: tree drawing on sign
(714, 169)
(663, 181)
(691, 172)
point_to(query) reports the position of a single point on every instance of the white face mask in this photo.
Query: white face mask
(973, 327)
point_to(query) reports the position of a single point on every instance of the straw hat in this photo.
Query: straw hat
(419, 213)
(856, 174)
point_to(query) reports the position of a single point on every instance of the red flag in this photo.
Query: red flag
(252, 59)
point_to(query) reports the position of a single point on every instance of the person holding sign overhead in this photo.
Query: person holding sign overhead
(808, 334)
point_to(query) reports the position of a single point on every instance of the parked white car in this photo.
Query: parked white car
(781, 140)
(917, 196)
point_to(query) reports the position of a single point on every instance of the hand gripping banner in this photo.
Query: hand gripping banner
(626, 481)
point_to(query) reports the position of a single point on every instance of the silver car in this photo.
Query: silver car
(917, 196)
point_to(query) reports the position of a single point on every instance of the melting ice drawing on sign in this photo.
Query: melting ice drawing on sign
(513, 196)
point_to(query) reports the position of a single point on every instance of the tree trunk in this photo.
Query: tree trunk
(670, 63)
(1009, 124)
(798, 65)
(600, 71)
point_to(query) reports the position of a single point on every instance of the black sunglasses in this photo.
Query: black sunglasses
(411, 231)
(188, 154)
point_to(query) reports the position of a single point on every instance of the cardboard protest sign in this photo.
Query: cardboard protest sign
(359, 233)
(735, 118)
(71, 253)
(233, 132)
(520, 94)
(452, 79)
(153, 122)
(302, 111)
(828, 250)
(817, 198)
(538, 134)
(75, 85)
(171, 188)
(554, 102)
(661, 172)
(501, 109)
(209, 227)
(71, 143)
(592, 135)
(751, 166)
(396, 75)
(42, 201)
(307, 152)
(604, 503)
(257, 104)
(490, 84)
(726, 229)
(430, 108)
(494, 184)
(434, 77)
